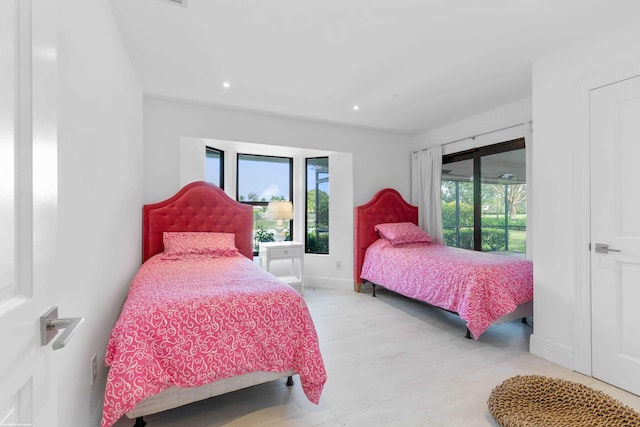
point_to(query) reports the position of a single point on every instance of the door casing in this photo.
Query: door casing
(582, 203)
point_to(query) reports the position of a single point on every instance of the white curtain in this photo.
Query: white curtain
(426, 173)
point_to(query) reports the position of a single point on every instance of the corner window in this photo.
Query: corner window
(484, 198)
(317, 195)
(262, 179)
(214, 166)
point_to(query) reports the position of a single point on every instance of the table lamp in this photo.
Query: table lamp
(280, 211)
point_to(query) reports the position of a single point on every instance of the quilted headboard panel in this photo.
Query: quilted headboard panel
(199, 206)
(387, 205)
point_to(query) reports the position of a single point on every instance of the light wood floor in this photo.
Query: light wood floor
(390, 361)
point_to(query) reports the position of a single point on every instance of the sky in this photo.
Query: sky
(267, 180)
(270, 179)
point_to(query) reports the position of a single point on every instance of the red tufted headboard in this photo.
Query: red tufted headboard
(199, 206)
(387, 205)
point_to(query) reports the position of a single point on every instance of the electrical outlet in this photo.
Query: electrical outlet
(94, 368)
(338, 264)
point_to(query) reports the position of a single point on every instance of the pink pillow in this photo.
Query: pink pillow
(183, 244)
(402, 232)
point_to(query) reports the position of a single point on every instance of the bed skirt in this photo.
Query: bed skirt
(174, 397)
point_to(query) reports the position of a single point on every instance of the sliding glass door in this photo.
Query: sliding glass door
(484, 194)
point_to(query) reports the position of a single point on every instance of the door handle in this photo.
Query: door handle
(603, 248)
(50, 324)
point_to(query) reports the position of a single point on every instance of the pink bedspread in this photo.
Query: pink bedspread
(194, 321)
(479, 286)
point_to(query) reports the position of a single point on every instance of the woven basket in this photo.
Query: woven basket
(533, 400)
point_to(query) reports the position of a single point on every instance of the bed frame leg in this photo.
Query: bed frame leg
(524, 320)
(373, 286)
(289, 382)
(140, 422)
(468, 334)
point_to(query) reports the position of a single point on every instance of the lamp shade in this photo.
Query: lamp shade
(280, 210)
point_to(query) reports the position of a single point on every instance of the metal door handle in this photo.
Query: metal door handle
(50, 324)
(603, 248)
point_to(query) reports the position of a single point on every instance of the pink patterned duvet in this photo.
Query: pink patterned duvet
(479, 286)
(194, 321)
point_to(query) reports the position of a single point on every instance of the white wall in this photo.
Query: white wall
(486, 123)
(378, 160)
(167, 121)
(100, 195)
(561, 220)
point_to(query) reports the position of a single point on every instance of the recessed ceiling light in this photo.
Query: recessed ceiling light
(356, 107)
(226, 85)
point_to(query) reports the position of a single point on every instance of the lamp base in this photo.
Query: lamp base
(279, 236)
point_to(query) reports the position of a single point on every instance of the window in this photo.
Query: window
(317, 236)
(261, 179)
(484, 198)
(214, 166)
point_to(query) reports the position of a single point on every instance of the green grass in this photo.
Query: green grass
(517, 240)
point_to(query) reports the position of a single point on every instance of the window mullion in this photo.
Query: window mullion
(477, 204)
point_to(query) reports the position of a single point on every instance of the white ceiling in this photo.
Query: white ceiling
(411, 65)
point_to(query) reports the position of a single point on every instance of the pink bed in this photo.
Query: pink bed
(205, 321)
(482, 288)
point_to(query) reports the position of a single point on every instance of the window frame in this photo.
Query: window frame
(306, 202)
(265, 203)
(257, 202)
(209, 149)
(476, 155)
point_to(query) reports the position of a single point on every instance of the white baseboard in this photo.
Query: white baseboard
(554, 352)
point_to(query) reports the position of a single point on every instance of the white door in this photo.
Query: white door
(28, 199)
(615, 221)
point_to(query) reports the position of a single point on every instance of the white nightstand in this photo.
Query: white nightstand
(272, 251)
